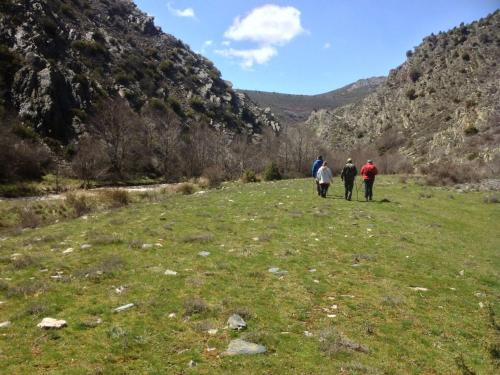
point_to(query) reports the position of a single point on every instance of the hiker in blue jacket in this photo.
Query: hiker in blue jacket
(315, 167)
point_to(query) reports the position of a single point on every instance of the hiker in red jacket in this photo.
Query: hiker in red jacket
(369, 171)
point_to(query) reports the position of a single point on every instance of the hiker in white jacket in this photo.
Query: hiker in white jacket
(324, 176)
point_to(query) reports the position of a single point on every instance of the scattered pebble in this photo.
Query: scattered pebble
(481, 305)
(239, 346)
(480, 295)
(120, 289)
(158, 244)
(277, 271)
(204, 253)
(124, 307)
(48, 323)
(312, 270)
(85, 246)
(308, 334)
(172, 315)
(316, 281)
(68, 250)
(192, 364)
(236, 322)
(462, 273)
(334, 307)
(212, 332)
(453, 289)
(419, 288)
(170, 273)
(5, 324)
(147, 246)
(331, 315)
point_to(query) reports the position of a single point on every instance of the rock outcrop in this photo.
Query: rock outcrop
(60, 58)
(443, 102)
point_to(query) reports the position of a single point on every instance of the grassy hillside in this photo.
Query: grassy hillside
(367, 258)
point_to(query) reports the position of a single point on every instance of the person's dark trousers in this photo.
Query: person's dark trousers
(348, 185)
(318, 187)
(369, 189)
(324, 189)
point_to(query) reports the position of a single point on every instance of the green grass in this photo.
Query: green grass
(366, 256)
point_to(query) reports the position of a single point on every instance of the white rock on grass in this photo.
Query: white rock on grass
(124, 307)
(85, 246)
(172, 315)
(5, 324)
(238, 346)
(419, 289)
(68, 250)
(277, 271)
(236, 322)
(147, 246)
(308, 334)
(212, 332)
(204, 253)
(170, 273)
(49, 323)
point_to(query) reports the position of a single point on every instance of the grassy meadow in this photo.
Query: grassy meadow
(406, 284)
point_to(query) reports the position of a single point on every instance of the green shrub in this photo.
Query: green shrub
(175, 105)
(471, 130)
(415, 74)
(167, 67)
(272, 172)
(249, 176)
(80, 204)
(410, 94)
(197, 104)
(185, 188)
(90, 48)
(115, 197)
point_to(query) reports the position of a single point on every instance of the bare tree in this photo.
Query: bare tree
(90, 162)
(119, 128)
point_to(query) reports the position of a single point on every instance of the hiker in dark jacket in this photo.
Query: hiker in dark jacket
(348, 175)
(369, 171)
(314, 171)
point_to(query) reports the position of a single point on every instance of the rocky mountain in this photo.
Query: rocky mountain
(59, 58)
(294, 109)
(442, 103)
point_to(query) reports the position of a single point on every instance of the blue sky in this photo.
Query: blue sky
(308, 47)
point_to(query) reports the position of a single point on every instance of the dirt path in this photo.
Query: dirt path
(57, 196)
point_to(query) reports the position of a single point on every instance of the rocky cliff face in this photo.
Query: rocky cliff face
(443, 102)
(61, 57)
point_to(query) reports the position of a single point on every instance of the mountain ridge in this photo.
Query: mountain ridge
(295, 108)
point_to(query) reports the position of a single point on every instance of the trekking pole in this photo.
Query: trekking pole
(356, 184)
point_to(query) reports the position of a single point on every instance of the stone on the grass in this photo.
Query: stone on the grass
(331, 315)
(85, 246)
(308, 334)
(124, 307)
(172, 315)
(192, 364)
(68, 250)
(236, 322)
(238, 346)
(481, 305)
(462, 273)
(147, 246)
(120, 289)
(5, 324)
(48, 323)
(212, 332)
(204, 253)
(277, 271)
(312, 270)
(2, 302)
(419, 289)
(170, 273)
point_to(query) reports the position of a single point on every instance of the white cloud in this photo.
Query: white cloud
(250, 57)
(327, 45)
(269, 26)
(188, 12)
(208, 43)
